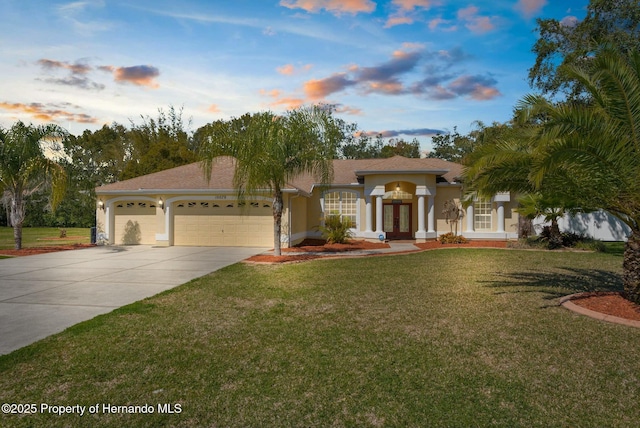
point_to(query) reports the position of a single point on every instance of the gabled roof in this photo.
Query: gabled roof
(346, 172)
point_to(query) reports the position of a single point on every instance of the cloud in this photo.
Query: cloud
(528, 8)
(139, 75)
(337, 7)
(48, 112)
(77, 74)
(421, 132)
(407, 11)
(475, 22)
(317, 89)
(569, 21)
(354, 111)
(213, 109)
(437, 22)
(411, 70)
(480, 88)
(290, 69)
(78, 82)
(279, 100)
(77, 68)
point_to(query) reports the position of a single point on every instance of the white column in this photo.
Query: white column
(431, 220)
(421, 214)
(378, 214)
(500, 217)
(470, 218)
(368, 214)
(109, 223)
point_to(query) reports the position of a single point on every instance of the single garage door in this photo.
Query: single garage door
(223, 223)
(135, 223)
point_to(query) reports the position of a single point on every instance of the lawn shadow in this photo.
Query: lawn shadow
(558, 284)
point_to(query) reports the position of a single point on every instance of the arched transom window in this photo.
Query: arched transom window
(342, 203)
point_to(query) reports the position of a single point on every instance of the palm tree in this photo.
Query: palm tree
(586, 153)
(598, 146)
(270, 150)
(24, 169)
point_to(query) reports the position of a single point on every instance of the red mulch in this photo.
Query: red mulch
(430, 245)
(42, 250)
(320, 246)
(610, 303)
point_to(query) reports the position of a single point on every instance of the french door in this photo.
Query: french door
(397, 221)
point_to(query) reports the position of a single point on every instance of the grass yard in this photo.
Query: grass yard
(44, 236)
(448, 338)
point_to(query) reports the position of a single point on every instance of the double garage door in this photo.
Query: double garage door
(223, 223)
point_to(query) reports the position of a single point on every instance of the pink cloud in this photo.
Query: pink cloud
(48, 112)
(317, 89)
(213, 108)
(528, 8)
(337, 7)
(77, 68)
(290, 69)
(139, 75)
(475, 22)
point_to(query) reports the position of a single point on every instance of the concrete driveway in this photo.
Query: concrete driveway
(43, 294)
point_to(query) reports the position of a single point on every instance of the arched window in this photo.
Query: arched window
(342, 203)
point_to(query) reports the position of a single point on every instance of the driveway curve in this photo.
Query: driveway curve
(44, 294)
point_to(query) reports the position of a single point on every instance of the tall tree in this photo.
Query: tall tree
(24, 169)
(270, 150)
(572, 43)
(159, 144)
(587, 153)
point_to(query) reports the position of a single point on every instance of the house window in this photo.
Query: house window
(482, 214)
(342, 203)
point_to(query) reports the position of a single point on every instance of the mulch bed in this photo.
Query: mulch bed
(320, 246)
(610, 303)
(430, 245)
(42, 250)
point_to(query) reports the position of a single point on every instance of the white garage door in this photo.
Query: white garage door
(135, 223)
(223, 223)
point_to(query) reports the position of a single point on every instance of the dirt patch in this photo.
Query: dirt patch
(42, 250)
(293, 258)
(430, 245)
(609, 303)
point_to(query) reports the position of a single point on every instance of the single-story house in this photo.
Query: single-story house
(393, 198)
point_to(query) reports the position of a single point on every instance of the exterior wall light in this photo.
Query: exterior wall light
(398, 187)
(160, 203)
(101, 204)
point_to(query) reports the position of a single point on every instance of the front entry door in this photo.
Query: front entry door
(397, 221)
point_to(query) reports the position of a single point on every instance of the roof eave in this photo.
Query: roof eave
(401, 171)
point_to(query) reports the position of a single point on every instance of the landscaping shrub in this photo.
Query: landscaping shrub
(336, 230)
(451, 238)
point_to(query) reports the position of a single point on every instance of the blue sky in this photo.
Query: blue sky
(404, 68)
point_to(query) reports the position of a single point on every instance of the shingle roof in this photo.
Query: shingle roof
(346, 171)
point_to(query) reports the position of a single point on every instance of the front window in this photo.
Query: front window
(482, 214)
(342, 203)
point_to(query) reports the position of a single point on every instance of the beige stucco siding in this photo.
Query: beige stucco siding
(223, 223)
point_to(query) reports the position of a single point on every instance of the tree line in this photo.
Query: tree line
(117, 152)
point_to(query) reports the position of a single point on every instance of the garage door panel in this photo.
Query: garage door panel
(222, 226)
(135, 223)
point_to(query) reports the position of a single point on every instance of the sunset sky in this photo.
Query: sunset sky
(404, 68)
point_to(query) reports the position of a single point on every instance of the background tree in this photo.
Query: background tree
(158, 144)
(24, 169)
(400, 147)
(571, 43)
(270, 150)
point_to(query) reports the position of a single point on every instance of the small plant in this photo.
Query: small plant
(451, 238)
(336, 230)
(63, 233)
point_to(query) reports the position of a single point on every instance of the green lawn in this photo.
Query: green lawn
(449, 338)
(44, 236)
